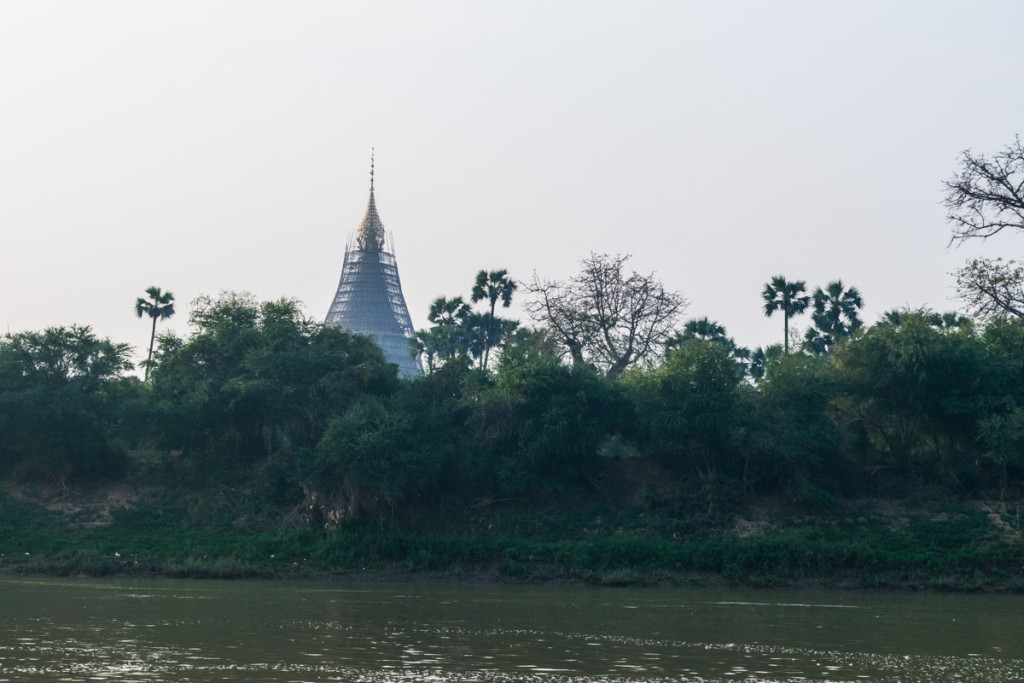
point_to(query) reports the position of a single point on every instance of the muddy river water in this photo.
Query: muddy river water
(205, 631)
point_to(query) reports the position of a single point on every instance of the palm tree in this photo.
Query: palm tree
(835, 317)
(449, 334)
(492, 286)
(817, 341)
(785, 296)
(893, 316)
(835, 309)
(424, 344)
(761, 358)
(446, 312)
(477, 334)
(707, 330)
(704, 328)
(949, 321)
(944, 322)
(159, 306)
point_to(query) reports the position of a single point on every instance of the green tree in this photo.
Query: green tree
(992, 287)
(835, 316)
(477, 330)
(705, 329)
(795, 446)
(917, 392)
(159, 306)
(761, 358)
(1002, 434)
(940, 321)
(493, 286)
(58, 390)
(689, 408)
(259, 379)
(550, 418)
(424, 344)
(448, 312)
(450, 338)
(373, 458)
(788, 297)
(1002, 421)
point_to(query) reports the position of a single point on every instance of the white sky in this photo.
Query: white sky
(204, 146)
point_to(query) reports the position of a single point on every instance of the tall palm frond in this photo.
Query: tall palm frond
(492, 286)
(159, 306)
(788, 297)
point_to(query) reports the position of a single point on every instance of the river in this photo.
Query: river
(204, 631)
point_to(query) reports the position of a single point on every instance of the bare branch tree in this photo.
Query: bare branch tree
(556, 306)
(986, 196)
(992, 288)
(604, 316)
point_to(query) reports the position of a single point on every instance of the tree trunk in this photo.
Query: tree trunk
(785, 326)
(149, 358)
(617, 368)
(487, 337)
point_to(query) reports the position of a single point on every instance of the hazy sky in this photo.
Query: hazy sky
(208, 146)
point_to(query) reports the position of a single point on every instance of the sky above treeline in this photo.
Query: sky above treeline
(209, 146)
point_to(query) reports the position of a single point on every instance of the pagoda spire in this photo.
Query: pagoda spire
(371, 234)
(369, 298)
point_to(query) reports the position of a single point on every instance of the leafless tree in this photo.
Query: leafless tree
(992, 288)
(603, 315)
(986, 196)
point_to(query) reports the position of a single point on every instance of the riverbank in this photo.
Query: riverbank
(114, 531)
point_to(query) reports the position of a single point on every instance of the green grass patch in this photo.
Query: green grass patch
(958, 550)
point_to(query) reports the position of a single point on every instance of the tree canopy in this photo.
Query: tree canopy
(159, 306)
(58, 410)
(786, 297)
(986, 194)
(984, 198)
(606, 316)
(836, 316)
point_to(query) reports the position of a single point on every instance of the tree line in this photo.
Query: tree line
(257, 393)
(299, 413)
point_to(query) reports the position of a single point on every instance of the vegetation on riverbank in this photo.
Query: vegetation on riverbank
(269, 445)
(218, 534)
(600, 445)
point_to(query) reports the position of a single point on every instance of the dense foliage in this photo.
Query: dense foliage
(62, 391)
(301, 415)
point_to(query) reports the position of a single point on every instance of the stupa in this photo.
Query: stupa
(369, 299)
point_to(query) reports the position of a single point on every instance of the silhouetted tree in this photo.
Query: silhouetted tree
(986, 195)
(448, 312)
(492, 286)
(984, 198)
(782, 295)
(992, 287)
(605, 316)
(705, 329)
(448, 337)
(835, 316)
(159, 306)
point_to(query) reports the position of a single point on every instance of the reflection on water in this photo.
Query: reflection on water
(52, 630)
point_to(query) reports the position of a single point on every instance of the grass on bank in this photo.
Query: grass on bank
(956, 548)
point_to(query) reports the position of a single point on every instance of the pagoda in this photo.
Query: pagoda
(369, 299)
